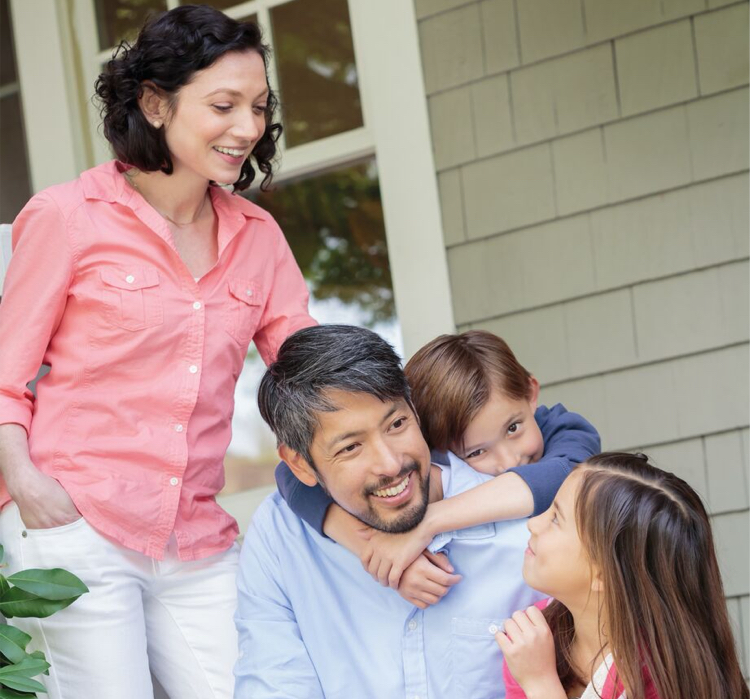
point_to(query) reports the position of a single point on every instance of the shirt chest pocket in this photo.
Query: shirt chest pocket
(477, 660)
(131, 296)
(243, 309)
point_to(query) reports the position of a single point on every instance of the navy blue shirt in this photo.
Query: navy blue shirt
(569, 439)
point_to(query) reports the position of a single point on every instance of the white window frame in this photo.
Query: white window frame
(64, 137)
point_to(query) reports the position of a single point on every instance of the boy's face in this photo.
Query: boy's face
(504, 434)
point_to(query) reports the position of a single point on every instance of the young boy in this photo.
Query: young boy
(473, 398)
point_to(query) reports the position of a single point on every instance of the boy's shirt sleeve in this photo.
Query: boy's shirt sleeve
(310, 504)
(569, 439)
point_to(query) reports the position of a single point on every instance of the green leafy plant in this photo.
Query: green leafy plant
(29, 593)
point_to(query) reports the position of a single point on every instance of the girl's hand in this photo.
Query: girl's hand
(529, 649)
(387, 556)
(427, 580)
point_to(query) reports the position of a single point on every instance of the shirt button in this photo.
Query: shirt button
(130, 279)
(493, 629)
(249, 292)
(412, 625)
(197, 305)
(178, 428)
(174, 481)
(193, 369)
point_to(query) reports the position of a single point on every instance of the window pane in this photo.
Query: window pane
(334, 225)
(318, 84)
(14, 168)
(218, 4)
(121, 19)
(7, 54)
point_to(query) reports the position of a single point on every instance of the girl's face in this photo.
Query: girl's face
(503, 434)
(555, 561)
(219, 117)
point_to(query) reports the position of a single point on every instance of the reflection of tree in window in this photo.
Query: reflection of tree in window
(121, 19)
(334, 225)
(314, 53)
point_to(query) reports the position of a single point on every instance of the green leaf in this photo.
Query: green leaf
(4, 586)
(18, 602)
(13, 643)
(26, 668)
(6, 693)
(40, 656)
(22, 684)
(53, 584)
(2, 552)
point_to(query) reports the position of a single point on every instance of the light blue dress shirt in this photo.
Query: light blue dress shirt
(313, 623)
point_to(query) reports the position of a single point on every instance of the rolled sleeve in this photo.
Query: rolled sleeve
(34, 297)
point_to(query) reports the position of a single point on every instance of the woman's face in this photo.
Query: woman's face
(555, 561)
(219, 117)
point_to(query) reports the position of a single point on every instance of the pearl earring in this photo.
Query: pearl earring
(157, 124)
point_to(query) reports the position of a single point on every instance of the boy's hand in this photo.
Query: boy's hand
(386, 556)
(529, 649)
(427, 580)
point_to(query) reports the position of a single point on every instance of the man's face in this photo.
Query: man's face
(372, 459)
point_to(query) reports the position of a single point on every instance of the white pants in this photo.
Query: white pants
(169, 617)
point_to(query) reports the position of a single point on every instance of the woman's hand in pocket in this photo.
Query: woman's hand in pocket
(43, 503)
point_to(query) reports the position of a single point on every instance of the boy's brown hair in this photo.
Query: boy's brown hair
(452, 377)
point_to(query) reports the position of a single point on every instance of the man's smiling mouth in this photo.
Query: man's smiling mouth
(393, 490)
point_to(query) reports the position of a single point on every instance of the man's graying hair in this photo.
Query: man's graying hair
(316, 360)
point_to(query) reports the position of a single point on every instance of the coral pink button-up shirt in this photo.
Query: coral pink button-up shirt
(134, 417)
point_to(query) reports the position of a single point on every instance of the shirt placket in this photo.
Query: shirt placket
(415, 667)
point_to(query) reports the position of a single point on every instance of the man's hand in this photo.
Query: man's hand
(387, 556)
(42, 502)
(427, 580)
(529, 649)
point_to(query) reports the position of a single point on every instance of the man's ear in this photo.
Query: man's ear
(298, 465)
(153, 104)
(533, 392)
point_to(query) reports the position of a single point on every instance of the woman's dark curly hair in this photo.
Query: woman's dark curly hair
(170, 48)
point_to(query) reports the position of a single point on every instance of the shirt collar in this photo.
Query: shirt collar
(106, 183)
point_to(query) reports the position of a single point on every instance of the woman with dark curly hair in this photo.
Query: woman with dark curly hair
(141, 284)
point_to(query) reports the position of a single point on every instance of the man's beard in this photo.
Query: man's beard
(414, 514)
(407, 520)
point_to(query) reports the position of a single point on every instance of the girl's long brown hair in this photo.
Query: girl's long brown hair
(648, 534)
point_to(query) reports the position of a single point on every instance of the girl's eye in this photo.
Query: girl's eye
(222, 107)
(513, 428)
(474, 454)
(260, 109)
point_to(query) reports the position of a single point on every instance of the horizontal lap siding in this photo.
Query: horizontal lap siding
(592, 163)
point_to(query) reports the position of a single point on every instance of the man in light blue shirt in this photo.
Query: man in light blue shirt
(312, 622)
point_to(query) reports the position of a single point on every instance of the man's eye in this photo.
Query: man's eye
(397, 424)
(348, 449)
(474, 454)
(513, 428)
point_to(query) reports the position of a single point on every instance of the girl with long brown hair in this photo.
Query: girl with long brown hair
(638, 611)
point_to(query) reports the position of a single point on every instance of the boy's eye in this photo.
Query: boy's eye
(474, 454)
(513, 428)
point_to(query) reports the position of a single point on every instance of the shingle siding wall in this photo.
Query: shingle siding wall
(592, 161)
